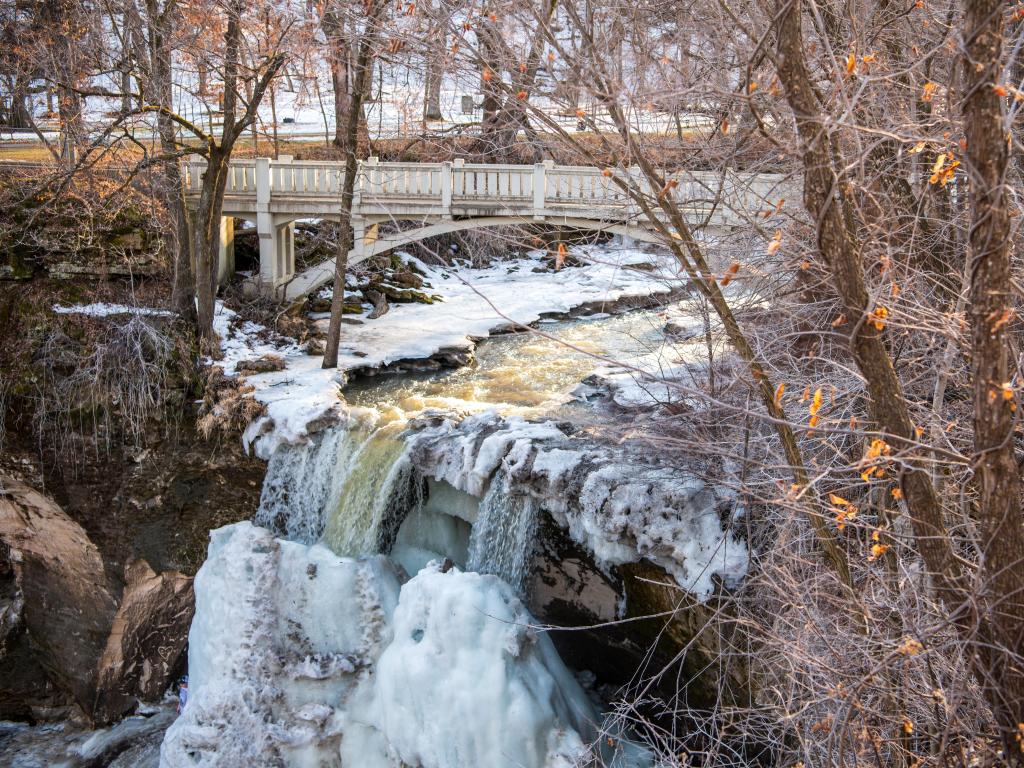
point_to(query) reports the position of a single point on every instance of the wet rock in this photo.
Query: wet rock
(264, 364)
(149, 633)
(380, 304)
(398, 293)
(684, 627)
(407, 279)
(454, 357)
(680, 331)
(323, 304)
(132, 743)
(664, 628)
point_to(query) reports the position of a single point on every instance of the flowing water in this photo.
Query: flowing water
(533, 373)
(352, 486)
(501, 538)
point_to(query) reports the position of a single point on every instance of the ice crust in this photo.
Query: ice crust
(618, 505)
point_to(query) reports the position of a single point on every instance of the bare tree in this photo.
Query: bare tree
(368, 40)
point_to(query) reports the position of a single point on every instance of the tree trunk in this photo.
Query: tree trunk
(177, 240)
(996, 473)
(824, 198)
(62, 20)
(207, 242)
(334, 30)
(436, 52)
(18, 115)
(364, 62)
(432, 87)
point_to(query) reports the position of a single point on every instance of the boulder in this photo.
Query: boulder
(68, 604)
(148, 635)
(264, 364)
(631, 622)
(68, 633)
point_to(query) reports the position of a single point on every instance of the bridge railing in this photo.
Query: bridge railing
(521, 186)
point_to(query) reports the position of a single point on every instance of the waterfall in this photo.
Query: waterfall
(299, 483)
(351, 487)
(376, 487)
(501, 542)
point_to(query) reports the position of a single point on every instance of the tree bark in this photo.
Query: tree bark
(432, 86)
(177, 242)
(996, 473)
(334, 30)
(206, 240)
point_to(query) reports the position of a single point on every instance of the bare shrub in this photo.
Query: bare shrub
(115, 382)
(228, 407)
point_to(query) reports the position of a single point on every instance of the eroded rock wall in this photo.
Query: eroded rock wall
(73, 636)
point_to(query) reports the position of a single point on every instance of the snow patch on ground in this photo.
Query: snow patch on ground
(300, 395)
(102, 309)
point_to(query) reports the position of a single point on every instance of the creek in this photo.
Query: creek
(376, 612)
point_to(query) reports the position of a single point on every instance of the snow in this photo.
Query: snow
(301, 395)
(298, 656)
(102, 309)
(477, 302)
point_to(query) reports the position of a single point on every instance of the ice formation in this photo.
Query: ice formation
(282, 634)
(620, 506)
(467, 682)
(299, 485)
(303, 658)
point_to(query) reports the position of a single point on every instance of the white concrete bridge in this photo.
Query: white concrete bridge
(439, 198)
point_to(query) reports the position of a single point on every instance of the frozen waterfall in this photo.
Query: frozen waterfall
(300, 657)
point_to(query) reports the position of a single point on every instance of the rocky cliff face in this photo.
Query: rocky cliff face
(72, 637)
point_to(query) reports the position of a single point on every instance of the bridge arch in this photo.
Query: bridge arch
(316, 276)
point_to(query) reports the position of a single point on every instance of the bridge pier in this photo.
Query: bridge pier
(277, 252)
(226, 252)
(277, 241)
